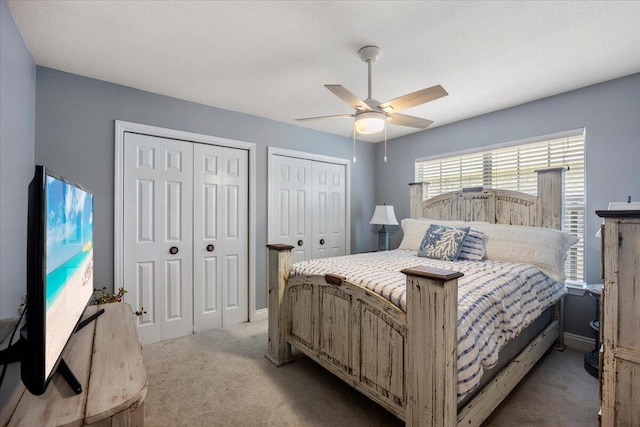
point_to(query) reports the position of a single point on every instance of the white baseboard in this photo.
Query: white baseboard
(578, 342)
(262, 314)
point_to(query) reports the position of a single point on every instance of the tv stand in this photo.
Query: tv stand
(63, 368)
(14, 353)
(106, 357)
(88, 320)
(65, 372)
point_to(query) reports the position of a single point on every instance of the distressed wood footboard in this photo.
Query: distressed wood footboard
(406, 362)
(354, 334)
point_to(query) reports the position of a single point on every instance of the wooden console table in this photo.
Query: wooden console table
(106, 357)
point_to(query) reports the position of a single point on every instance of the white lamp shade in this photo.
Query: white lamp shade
(369, 122)
(384, 215)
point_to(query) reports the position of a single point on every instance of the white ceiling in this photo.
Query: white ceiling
(272, 58)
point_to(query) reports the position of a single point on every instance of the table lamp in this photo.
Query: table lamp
(383, 215)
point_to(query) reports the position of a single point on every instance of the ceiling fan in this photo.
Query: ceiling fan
(371, 115)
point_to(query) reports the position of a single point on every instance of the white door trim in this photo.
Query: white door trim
(118, 192)
(275, 151)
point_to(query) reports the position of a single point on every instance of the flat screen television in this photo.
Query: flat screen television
(59, 274)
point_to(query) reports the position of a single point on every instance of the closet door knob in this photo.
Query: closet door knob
(300, 242)
(173, 250)
(210, 248)
(322, 241)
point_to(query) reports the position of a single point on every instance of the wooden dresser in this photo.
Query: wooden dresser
(620, 326)
(106, 358)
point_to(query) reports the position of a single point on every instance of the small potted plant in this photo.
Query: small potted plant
(101, 296)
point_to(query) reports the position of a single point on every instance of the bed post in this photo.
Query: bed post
(550, 214)
(279, 264)
(431, 358)
(418, 194)
(550, 205)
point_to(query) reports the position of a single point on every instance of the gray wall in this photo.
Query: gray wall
(75, 137)
(17, 148)
(609, 111)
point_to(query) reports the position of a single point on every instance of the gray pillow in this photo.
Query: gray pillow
(443, 243)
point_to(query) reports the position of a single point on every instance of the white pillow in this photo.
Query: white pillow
(414, 230)
(545, 248)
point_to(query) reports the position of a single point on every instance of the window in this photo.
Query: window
(512, 167)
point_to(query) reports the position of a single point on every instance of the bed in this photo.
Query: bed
(400, 347)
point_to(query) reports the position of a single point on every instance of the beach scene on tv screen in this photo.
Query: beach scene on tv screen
(69, 263)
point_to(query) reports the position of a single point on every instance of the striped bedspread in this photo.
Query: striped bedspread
(496, 300)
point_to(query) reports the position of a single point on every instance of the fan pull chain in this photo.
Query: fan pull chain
(385, 141)
(354, 140)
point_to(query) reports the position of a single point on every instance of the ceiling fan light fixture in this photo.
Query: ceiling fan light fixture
(369, 122)
(370, 115)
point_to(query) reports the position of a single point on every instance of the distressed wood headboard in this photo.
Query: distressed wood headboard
(496, 206)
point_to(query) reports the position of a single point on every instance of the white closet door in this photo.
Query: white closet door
(221, 236)
(290, 193)
(158, 258)
(329, 211)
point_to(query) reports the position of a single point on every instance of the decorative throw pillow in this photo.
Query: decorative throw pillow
(473, 246)
(443, 243)
(413, 230)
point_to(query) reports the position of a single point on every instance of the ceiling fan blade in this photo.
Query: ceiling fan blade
(412, 99)
(348, 97)
(410, 121)
(336, 116)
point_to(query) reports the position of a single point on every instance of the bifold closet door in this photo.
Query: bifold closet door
(158, 258)
(290, 191)
(308, 200)
(220, 236)
(186, 235)
(329, 209)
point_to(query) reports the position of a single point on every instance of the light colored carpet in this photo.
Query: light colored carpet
(221, 378)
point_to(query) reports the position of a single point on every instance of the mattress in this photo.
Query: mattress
(496, 300)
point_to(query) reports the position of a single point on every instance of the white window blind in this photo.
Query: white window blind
(512, 168)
